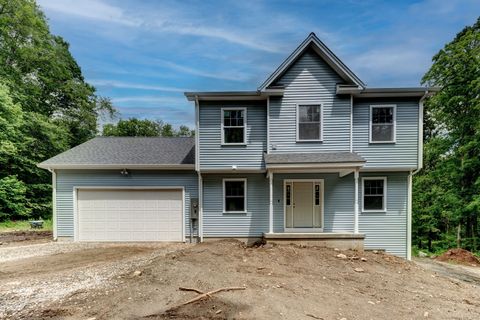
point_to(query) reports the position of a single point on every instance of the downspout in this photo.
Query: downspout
(268, 124)
(54, 203)
(197, 168)
(412, 173)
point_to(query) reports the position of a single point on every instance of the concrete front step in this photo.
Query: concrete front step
(340, 240)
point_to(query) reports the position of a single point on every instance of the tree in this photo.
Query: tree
(42, 74)
(134, 127)
(46, 106)
(447, 194)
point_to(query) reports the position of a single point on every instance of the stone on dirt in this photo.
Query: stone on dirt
(137, 273)
(341, 256)
(359, 270)
(422, 254)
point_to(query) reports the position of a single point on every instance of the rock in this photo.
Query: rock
(355, 257)
(422, 254)
(336, 249)
(267, 246)
(1, 243)
(363, 259)
(371, 302)
(375, 251)
(137, 273)
(341, 256)
(92, 318)
(425, 314)
(359, 270)
(218, 311)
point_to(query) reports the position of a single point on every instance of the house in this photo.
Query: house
(311, 155)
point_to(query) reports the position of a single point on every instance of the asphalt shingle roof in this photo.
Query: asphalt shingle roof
(128, 150)
(319, 157)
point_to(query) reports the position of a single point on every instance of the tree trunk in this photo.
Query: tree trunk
(459, 239)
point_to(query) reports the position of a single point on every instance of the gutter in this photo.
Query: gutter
(412, 173)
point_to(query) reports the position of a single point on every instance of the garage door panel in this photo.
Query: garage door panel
(130, 215)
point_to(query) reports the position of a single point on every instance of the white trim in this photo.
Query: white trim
(384, 209)
(230, 170)
(387, 169)
(420, 133)
(75, 203)
(394, 106)
(54, 204)
(355, 204)
(268, 125)
(409, 217)
(270, 202)
(244, 198)
(120, 166)
(244, 109)
(351, 123)
(298, 126)
(200, 206)
(322, 208)
(315, 165)
(197, 134)
(323, 51)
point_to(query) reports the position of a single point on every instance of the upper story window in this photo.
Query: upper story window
(309, 122)
(374, 194)
(234, 125)
(382, 124)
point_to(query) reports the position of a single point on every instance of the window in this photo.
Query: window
(233, 125)
(309, 122)
(374, 194)
(382, 123)
(235, 195)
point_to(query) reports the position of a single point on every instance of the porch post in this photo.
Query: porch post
(355, 224)
(270, 211)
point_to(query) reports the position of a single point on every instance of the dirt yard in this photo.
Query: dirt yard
(120, 281)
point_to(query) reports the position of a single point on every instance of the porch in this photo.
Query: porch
(313, 199)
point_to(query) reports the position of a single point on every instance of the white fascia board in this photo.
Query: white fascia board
(120, 166)
(324, 52)
(339, 165)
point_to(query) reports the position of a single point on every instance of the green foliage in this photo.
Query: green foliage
(13, 198)
(45, 107)
(134, 127)
(18, 225)
(447, 193)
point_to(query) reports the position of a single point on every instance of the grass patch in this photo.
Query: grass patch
(21, 225)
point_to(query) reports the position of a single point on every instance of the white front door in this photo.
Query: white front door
(304, 205)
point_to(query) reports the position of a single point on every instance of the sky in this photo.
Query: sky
(145, 54)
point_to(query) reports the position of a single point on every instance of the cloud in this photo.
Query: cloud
(170, 20)
(151, 99)
(230, 75)
(127, 85)
(90, 9)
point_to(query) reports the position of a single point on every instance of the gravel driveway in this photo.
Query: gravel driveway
(33, 276)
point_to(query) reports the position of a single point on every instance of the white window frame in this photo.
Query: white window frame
(298, 125)
(244, 198)
(384, 209)
(244, 126)
(394, 106)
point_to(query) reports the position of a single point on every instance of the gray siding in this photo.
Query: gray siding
(383, 230)
(310, 80)
(215, 156)
(388, 230)
(68, 179)
(403, 153)
(250, 224)
(338, 206)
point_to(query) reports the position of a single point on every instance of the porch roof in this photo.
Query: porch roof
(317, 157)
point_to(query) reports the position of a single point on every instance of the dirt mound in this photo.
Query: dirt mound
(16, 236)
(460, 256)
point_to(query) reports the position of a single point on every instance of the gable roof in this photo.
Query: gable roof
(127, 152)
(324, 52)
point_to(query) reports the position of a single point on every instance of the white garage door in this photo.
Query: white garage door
(129, 215)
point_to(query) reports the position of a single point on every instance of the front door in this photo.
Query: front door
(304, 205)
